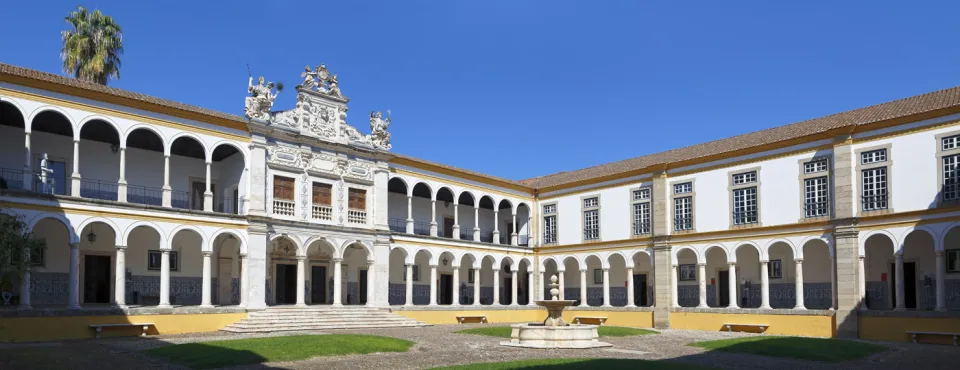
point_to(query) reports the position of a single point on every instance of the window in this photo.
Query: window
(470, 276)
(153, 260)
(357, 199)
(688, 272)
(775, 269)
(950, 142)
(950, 178)
(591, 218)
(683, 211)
(283, 188)
(953, 260)
(322, 194)
(549, 224)
(683, 188)
(816, 166)
(416, 273)
(815, 197)
(597, 276)
(745, 178)
(874, 182)
(873, 156)
(641, 211)
(745, 206)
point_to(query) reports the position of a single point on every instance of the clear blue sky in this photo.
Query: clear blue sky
(525, 88)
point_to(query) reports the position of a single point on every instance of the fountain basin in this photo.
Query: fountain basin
(540, 336)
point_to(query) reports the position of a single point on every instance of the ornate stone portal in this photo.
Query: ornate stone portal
(320, 111)
(553, 332)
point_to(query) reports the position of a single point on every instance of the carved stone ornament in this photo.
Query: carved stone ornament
(379, 136)
(260, 101)
(283, 247)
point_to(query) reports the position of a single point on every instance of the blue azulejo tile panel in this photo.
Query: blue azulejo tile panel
(49, 288)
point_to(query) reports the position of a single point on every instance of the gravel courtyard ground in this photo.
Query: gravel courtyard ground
(439, 346)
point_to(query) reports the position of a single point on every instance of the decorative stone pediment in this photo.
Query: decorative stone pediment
(323, 163)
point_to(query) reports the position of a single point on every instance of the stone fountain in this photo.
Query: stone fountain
(553, 332)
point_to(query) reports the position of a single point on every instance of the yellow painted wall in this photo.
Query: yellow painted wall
(634, 319)
(29, 329)
(810, 326)
(895, 328)
(493, 316)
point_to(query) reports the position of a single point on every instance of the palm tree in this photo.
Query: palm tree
(91, 49)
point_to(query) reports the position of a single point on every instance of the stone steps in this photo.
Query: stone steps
(276, 319)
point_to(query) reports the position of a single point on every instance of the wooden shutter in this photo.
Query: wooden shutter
(357, 199)
(282, 188)
(321, 194)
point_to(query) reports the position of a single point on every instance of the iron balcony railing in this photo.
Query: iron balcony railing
(745, 217)
(180, 199)
(816, 209)
(523, 240)
(226, 205)
(398, 225)
(466, 234)
(11, 178)
(486, 236)
(873, 202)
(98, 189)
(683, 223)
(641, 228)
(144, 195)
(421, 228)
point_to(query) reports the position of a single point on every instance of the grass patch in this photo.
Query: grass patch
(826, 350)
(576, 363)
(603, 331)
(223, 353)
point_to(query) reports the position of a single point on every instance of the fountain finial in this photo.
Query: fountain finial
(554, 288)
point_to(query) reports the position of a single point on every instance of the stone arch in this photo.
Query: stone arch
(180, 135)
(696, 253)
(418, 184)
(429, 254)
(141, 126)
(603, 261)
(235, 233)
(117, 232)
(748, 244)
(510, 262)
(726, 252)
(626, 262)
(204, 245)
(108, 121)
(543, 262)
(292, 238)
(319, 241)
(909, 230)
(28, 123)
(149, 225)
(872, 233)
(509, 205)
(18, 106)
(575, 260)
(473, 260)
(228, 143)
(71, 231)
(633, 256)
(942, 238)
(766, 249)
(365, 246)
(825, 239)
(453, 261)
(407, 256)
(473, 198)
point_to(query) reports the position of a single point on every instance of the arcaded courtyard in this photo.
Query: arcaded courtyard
(440, 346)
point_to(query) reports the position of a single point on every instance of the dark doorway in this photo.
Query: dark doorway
(909, 284)
(723, 288)
(286, 284)
(640, 289)
(196, 194)
(318, 284)
(96, 279)
(448, 227)
(362, 278)
(446, 289)
(507, 290)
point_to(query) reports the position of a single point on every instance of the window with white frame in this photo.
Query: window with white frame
(949, 158)
(591, 218)
(683, 188)
(816, 166)
(874, 189)
(745, 178)
(950, 142)
(683, 206)
(549, 224)
(641, 211)
(815, 199)
(745, 206)
(873, 156)
(953, 260)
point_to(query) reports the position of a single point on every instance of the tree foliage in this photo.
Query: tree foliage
(17, 246)
(92, 46)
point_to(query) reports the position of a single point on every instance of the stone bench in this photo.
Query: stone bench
(914, 335)
(472, 319)
(144, 325)
(762, 327)
(589, 320)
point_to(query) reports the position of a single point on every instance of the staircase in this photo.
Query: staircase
(290, 318)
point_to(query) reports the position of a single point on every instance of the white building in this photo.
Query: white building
(146, 202)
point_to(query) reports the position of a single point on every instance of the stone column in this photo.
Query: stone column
(433, 285)
(732, 286)
(861, 283)
(562, 285)
(433, 217)
(410, 215)
(456, 221)
(456, 285)
(702, 281)
(75, 177)
(798, 272)
(301, 281)
(513, 288)
(496, 226)
(409, 296)
(476, 222)
(531, 295)
(496, 287)
(208, 194)
(337, 282)
(167, 190)
(122, 182)
(513, 235)
(583, 288)
(476, 287)
(244, 280)
(28, 164)
(941, 285)
(901, 305)
(631, 300)
(164, 278)
(675, 299)
(765, 285)
(846, 237)
(206, 283)
(833, 283)
(73, 296)
(371, 283)
(606, 287)
(25, 281)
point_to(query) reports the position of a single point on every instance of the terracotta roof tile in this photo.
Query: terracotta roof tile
(452, 168)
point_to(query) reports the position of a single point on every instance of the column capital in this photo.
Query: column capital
(337, 260)
(939, 253)
(74, 245)
(370, 263)
(207, 253)
(301, 258)
(764, 261)
(584, 270)
(798, 260)
(898, 255)
(734, 263)
(495, 270)
(165, 251)
(605, 269)
(408, 264)
(629, 268)
(698, 265)
(120, 248)
(433, 265)
(455, 267)
(243, 255)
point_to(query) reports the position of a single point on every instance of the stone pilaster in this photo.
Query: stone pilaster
(663, 293)
(844, 184)
(661, 214)
(256, 269)
(847, 252)
(257, 191)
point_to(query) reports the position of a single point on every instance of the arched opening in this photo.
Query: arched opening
(919, 273)
(878, 258)
(227, 276)
(354, 283)
(49, 276)
(397, 205)
(508, 277)
(422, 208)
(951, 266)
(421, 277)
(550, 269)
(186, 282)
(642, 280)
(52, 136)
(99, 151)
(282, 272)
(445, 218)
(188, 170)
(12, 166)
(524, 282)
(446, 261)
(143, 244)
(465, 212)
(397, 294)
(505, 226)
(523, 224)
(717, 275)
(228, 168)
(98, 250)
(594, 281)
(485, 217)
(618, 280)
(688, 275)
(781, 270)
(748, 274)
(817, 280)
(319, 272)
(571, 279)
(145, 178)
(487, 274)
(468, 279)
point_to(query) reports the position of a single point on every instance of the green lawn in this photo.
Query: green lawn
(223, 353)
(826, 350)
(603, 331)
(576, 363)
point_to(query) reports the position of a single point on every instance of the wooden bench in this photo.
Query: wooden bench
(589, 320)
(914, 335)
(99, 327)
(472, 319)
(762, 327)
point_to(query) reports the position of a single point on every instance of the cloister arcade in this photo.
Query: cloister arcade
(117, 159)
(461, 214)
(318, 271)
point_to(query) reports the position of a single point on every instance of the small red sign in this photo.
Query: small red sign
(883, 276)
(713, 281)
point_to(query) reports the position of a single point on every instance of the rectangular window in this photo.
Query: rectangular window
(874, 189)
(953, 260)
(153, 260)
(688, 272)
(591, 218)
(775, 269)
(642, 194)
(550, 208)
(641, 218)
(951, 142)
(591, 202)
(549, 224)
(283, 188)
(322, 194)
(745, 178)
(815, 166)
(950, 177)
(597, 276)
(683, 188)
(873, 156)
(357, 199)
(815, 197)
(745, 206)
(683, 213)
(416, 273)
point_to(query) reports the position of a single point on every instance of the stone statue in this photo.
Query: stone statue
(261, 99)
(46, 182)
(334, 88)
(309, 79)
(379, 136)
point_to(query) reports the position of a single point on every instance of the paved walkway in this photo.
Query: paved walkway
(439, 346)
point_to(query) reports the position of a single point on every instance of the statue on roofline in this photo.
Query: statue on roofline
(260, 101)
(379, 136)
